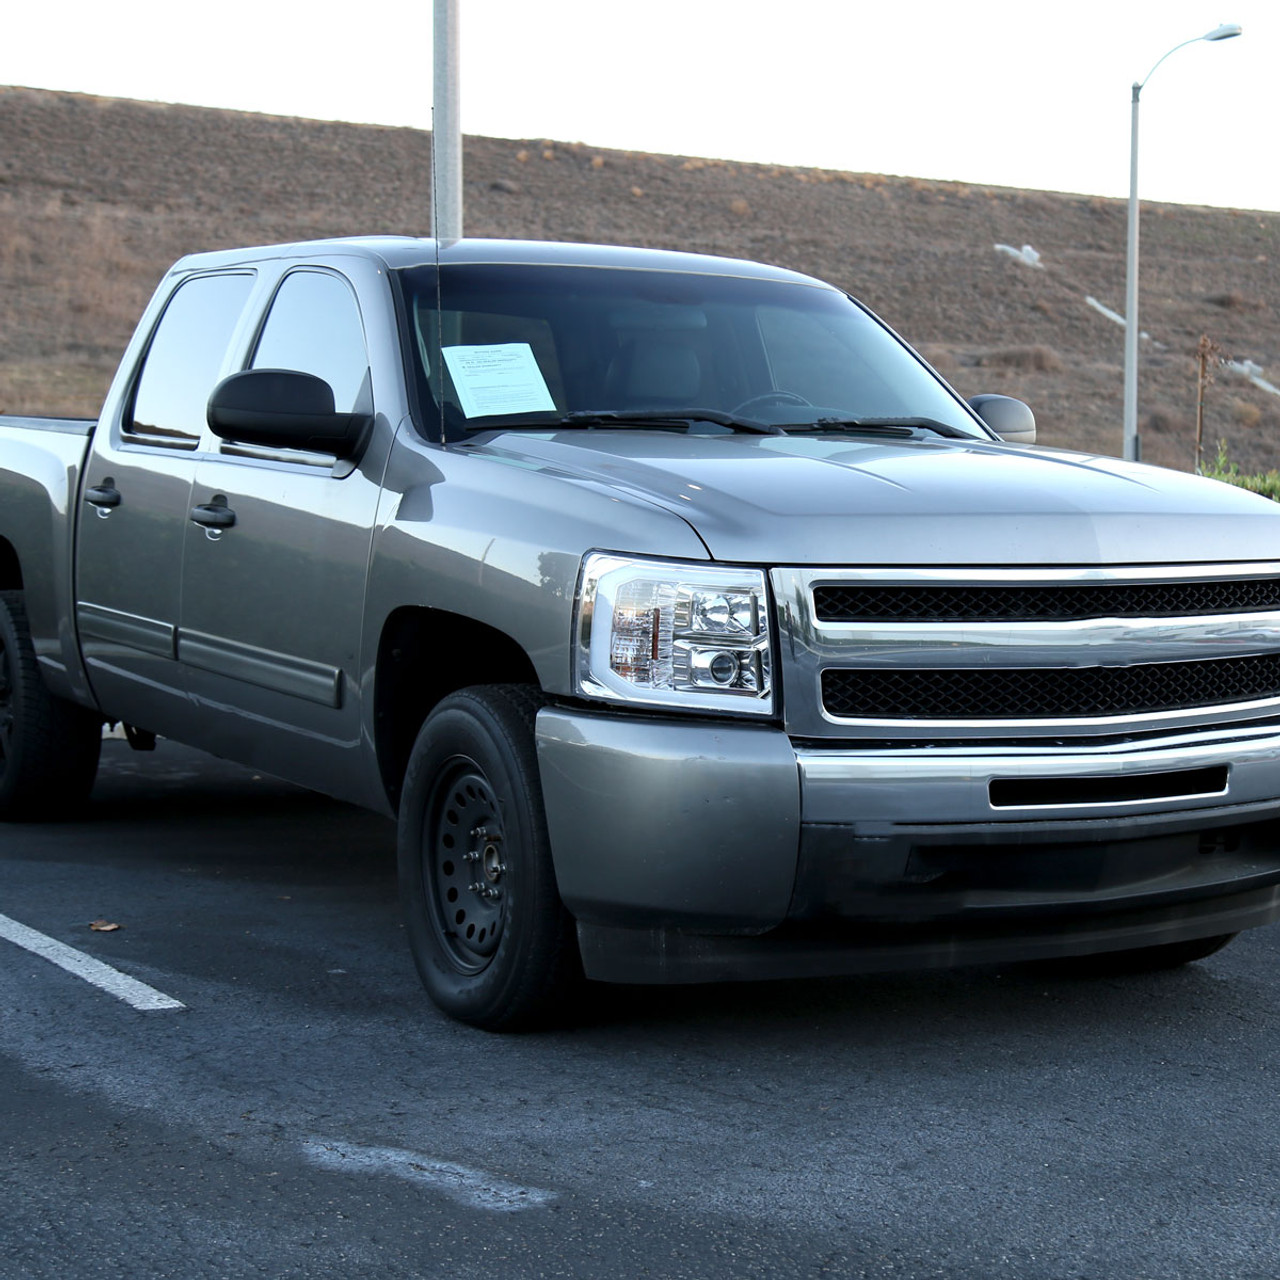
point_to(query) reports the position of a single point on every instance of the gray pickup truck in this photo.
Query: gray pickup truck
(691, 625)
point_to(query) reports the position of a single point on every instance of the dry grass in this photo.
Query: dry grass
(91, 280)
(1246, 414)
(98, 197)
(1235, 301)
(62, 389)
(1025, 359)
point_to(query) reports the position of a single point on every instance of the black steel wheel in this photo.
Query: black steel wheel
(48, 748)
(492, 942)
(463, 848)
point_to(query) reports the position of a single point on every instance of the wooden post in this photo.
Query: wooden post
(1206, 351)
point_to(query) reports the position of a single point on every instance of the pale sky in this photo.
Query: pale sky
(1019, 94)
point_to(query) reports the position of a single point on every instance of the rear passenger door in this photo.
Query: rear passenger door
(272, 603)
(136, 503)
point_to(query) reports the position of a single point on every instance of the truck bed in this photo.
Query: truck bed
(72, 426)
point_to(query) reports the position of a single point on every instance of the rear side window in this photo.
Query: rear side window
(184, 361)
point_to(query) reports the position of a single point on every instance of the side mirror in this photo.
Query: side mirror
(284, 409)
(1010, 419)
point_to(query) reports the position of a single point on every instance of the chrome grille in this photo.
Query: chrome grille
(906, 653)
(1038, 693)
(969, 603)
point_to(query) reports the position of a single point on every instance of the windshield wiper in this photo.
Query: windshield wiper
(900, 428)
(632, 417)
(666, 418)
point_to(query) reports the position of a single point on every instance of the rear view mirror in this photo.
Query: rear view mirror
(284, 409)
(1010, 419)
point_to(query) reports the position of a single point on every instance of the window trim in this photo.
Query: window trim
(246, 352)
(134, 441)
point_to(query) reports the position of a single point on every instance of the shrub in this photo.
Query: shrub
(1246, 414)
(1266, 483)
(1234, 301)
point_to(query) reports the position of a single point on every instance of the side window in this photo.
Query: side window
(182, 364)
(314, 327)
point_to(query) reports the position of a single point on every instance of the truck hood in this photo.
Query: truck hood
(841, 500)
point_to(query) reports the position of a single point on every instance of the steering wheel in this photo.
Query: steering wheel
(771, 397)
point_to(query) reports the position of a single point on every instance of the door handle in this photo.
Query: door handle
(103, 495)
(213, 515)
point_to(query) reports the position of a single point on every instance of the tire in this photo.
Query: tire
(48, 747)
(493, 944)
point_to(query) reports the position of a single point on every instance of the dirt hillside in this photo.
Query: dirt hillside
(98, 196)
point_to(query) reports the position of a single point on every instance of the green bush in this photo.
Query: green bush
(1266, 483)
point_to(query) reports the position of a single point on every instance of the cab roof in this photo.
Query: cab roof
(396, 252)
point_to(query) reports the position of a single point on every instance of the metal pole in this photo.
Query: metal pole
(446, 126)
(1132, 447)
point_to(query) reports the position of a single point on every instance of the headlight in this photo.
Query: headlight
(673, 635)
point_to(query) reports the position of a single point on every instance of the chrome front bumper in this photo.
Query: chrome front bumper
(670, 830)
(1218, 769)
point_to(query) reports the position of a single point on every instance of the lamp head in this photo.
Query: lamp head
(1224, 32)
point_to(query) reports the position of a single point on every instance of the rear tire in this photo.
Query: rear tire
(48, 747)
(493, 944)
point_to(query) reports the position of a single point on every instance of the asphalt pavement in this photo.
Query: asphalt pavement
(299, 1109)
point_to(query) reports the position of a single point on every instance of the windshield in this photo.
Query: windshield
(532, 346)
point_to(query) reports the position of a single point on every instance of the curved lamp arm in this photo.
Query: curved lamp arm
(1223, 32)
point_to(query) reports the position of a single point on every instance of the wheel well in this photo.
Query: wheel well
(425, 655)
(10, 570)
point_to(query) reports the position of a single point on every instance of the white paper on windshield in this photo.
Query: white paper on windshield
(503, 378)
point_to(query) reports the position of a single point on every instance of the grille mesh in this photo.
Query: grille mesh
(1058, 603)
(1025, 693)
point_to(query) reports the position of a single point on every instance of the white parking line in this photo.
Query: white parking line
(118, 984)
(471, 1187)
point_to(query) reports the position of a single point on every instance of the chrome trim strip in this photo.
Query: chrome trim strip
(1093, 806)
(960, 576)
(1127, 641)
(1224, 713)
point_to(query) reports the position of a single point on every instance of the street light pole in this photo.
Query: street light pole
(1132, 446)
(446, 126)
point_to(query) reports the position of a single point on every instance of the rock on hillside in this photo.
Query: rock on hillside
(98, 196)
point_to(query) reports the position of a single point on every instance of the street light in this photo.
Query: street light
(1131, 447)
(446, 126)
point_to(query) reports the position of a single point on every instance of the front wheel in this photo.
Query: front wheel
(492, 941)
(48, 747)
